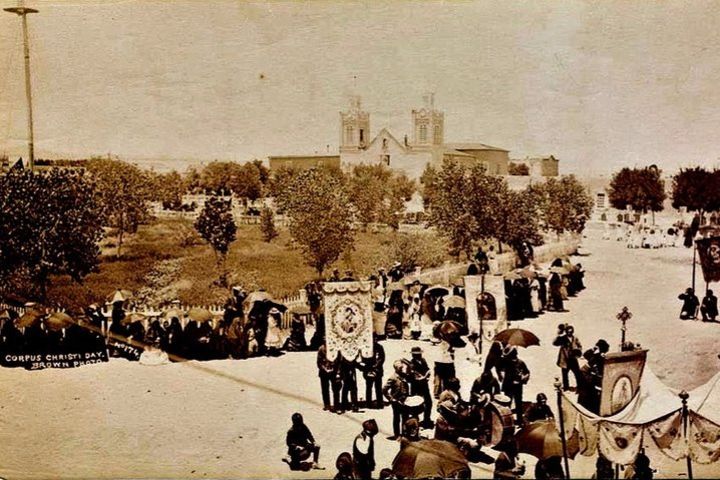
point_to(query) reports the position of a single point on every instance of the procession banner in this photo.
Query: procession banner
(485, 304)
(709, 252)
(348, 319)
(622, 372)
(40, 361)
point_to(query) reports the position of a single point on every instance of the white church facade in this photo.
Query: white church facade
(409, 154)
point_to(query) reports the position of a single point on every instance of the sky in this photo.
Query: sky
(600, 85)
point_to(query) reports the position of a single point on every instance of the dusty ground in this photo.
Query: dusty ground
(227, 419)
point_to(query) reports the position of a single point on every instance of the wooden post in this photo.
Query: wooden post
(558, 390)
(685, 417)
(693, 265)
(22, 12)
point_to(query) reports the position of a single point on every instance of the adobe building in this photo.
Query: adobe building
(408, 154)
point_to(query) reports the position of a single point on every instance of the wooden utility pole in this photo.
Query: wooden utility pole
(22, 12)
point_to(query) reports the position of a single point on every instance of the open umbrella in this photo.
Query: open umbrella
(132, 317)
(200, 314)
(517, 337)
(459, 282)
(301, 310)
(31, 316)
(437, 291)
(559, 270)
(5, 314)
(453, 301)
(429, 459)
(450, 331)
(58, 320)
(541, 439)
(119, 295)
(257, 296)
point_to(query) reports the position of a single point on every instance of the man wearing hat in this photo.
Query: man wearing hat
(569, 353)
(419, 383)
(364, 450)
(539, 410)
(396, 391)
(516, 377)
(395, 272)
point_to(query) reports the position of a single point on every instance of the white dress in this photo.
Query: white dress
(535, 295)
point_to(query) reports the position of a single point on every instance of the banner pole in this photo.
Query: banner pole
(558, 390)
(685, 414)
(693, 265)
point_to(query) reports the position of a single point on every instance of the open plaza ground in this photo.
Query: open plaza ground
(228, 419)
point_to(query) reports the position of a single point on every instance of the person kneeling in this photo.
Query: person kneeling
(301, 444)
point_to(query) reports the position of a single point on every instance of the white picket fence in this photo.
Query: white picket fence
(444, 274)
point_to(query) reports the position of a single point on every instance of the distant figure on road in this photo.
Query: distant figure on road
(690, 305)
(709, 307)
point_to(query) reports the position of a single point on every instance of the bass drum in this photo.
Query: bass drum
(500, 424)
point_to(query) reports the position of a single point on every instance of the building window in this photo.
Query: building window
(385, 144)
(349, 135)
(437, 135)
(385, 159)
(423, 133)
(362, 136)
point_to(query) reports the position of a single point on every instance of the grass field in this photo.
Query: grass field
(166, 260)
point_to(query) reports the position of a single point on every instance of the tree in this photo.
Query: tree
(49, 227)
(267, 225)
(244, 180)
(517, 219)
(317, 205)
(696, 189)
(564, 204)
(123, 191)
(640, 188)
(427, 180)
(450, 214)
(518, 169)
(168, 188)
(379, 194)
(484, 194)
(217, 226)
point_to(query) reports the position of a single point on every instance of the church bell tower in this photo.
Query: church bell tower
(354, 127)
(428, 124)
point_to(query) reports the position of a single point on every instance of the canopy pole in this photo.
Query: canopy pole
(693, 265)
(558, 390)
(685, 416)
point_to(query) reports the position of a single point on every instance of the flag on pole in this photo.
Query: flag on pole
(709, 252)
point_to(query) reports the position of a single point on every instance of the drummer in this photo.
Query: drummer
(419, 383)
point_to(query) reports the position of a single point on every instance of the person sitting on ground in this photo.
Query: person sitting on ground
(301, 444)
(540, 409)
(690, 305)
(296, 341)
(344, 465)
(709, 307)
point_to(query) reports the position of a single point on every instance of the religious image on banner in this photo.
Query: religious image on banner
(709, 252)
(348, 319)
(488, 309)
(622, 372)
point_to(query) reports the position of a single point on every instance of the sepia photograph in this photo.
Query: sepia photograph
(350, 240)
